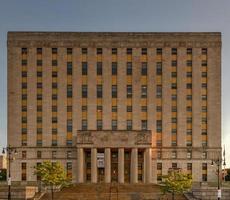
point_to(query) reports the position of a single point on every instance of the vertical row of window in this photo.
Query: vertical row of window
(39, 96)
(159, 97)
(129, 89)
(24, 55)
(174, 96)
(84, 88)
(54, 96)
(99, 89)
(189, 97)
(204, 83)
(69, 137)
(114, 89)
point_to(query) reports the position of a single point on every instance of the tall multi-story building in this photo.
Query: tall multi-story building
(123, 107)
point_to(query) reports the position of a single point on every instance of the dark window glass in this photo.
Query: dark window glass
(159, 108)
(174, 85)
(204, 51)
(174, 97)
(144, 69)
(54, 85)
(144, 108)
(99, 124)
(54, 120)
(204, 63)
(39, 96)
(129, 125)
(144, 124)
(114, 68)
(189, 97)
(39, 85)
(159, 91)
(144, 51)
(174, 51)
(114, 91)
(129, 108)
(99, 68)
(39, 62)
(24, 85)
(189, 62)
(159, 68)
(174, 63)
(189, 50)
(24, 62)
(114, 124)
(174, 109)
(54, 50)
(69, 91)
(204, 74)
(129, 68)
(129, 51)
(54, 74)
(159, 51)
(69, 108)
(24, 96)
(69, 68)
(174, 74)
(54, 63)
(99, 50)
(84, 108)
(129, 91)
(54, 96)
(144, 91)
(114, 108)
(84, 50)
(159, 126)
(114, 50)
(69, 51)
(189, 74)
(189, 108)
(84, 68)
(24, 74)
(54, 108)
(39, 74)
(189, 86)
(84, 124)
(24, 50)
(99, 91)
(84, 90)
(69, 125)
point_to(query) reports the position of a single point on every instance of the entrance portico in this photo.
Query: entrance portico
(114, 156)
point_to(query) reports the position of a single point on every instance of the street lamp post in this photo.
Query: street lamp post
(218, 163)
(10, 151)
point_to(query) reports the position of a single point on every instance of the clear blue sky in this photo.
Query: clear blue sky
(116, 15)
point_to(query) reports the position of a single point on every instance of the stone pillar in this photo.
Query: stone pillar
(134, 166)
(107, 165)
(94, 165)
(148, 165)
(80, 165)
(121, 165)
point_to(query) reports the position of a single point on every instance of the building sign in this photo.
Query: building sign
(100, 160)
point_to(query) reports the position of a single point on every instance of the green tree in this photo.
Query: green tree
(176, 182)
(3, 174)
(52, 175)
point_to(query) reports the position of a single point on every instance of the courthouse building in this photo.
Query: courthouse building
(115, 107)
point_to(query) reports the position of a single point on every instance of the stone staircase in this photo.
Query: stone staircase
(111, 191)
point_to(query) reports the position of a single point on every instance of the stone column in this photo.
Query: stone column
(80, 165)
(148, 165)
(94, 165)
(121, 165)
(107, 165)
(134, 166)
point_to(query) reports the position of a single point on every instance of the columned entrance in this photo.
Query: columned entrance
(123, 157)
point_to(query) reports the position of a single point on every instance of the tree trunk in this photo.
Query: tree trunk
(52, 192)
(173, 196)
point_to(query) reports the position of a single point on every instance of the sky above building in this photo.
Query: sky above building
(117, 15)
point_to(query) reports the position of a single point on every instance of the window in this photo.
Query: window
(204, 155)
(204, 120)
(39, 50)
(174, 120)
(39, 74)
(129, 108)
(23, 154)
(54, 120)
(204, 74)
(69, 108)
(99, 91)
(54, 108)
(54, 63)
(144, 108)
(174, 165)
(54, 74)
(144, 51)
(159, 91)
(159, 126)
(189, 166)
(144, 68)
(174, 85)
(69, 51)
(39, 154)
(24, 108)
(99, 108)
(204, 51)
(39, 62)
(114, 124)
(54, 85)
(189, 50)
(189, 86)
(24, 96)
(159, 155)
(54, 154)
(69, 125)
(189, 108)
(99, 124)
(174, 109)
(189, 143)
(204, 97)
(204, 131)
(114, 68)
(54, 143)
(174, 131)
(99, 50)
(159, 108)
(69, 154)
(24, 74)
(39, 119)
(84, 50)
(204, 85)
(159, 68)
(189, 119)
(84, 108)
(129, 124)
(174, 154)
(204, 63)
(84, 68)
(54, 96)
(204, 108)
(114, 108)
(174, 51)
(129, 91)
(129, 51)
(204, 166)
(99, 68)
(174, 74)
(159, 166)
(69, 68)
(174, 97)
(114, 51)
(159, 51)
(174, 143)
(189, 62)
(144, 124)
(174, 63)
(189, 74)
(114, 91)
(24, 62)
(189, 97)
(144, 91)
(24, 85)
(84, 124)
(84, 91)
(69, 91)
(129, 68)
(23, 167)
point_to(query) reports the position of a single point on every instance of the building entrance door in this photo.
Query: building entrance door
(127, 166)
(114, 166)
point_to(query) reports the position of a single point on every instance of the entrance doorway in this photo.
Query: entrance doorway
(127, 166)
(114, 166)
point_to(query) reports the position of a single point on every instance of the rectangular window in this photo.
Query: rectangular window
(99, 51)
(84, 68)
(159, 51)
(114, 51)
(23, 167)
(129, 91)
(39, 154)
(129, 68)
(114, 108)
(174, 74)
(189, 166)
(84, 50)
(129, 125)
(189, 50)
(99, 68)
(144, 125)
(144, 91)
(204, 63)
(39, 62)
(99, 124)
(174, 154)
(23, 154)
(129, 51)
(189, 74)
(84, 90)
(174, 63)
(189, 63)
(69, 68)
(99, 91)
(69, 125)
(159, 126)
(204, 51)
(159, 68)
(144, 51)
(189, 86)
(144, 69)
(159, 91)
(114, 91)
(114, 124)
(84, 124)
(84, 108)
(174, 51)
(129, 108)
(69, 91)
(69, 154)
(114, 68)
(54, 154)
(174, 165)
(144, 108)
(174, 85)
(159, 108)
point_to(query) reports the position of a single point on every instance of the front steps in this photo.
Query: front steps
(111, 191)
